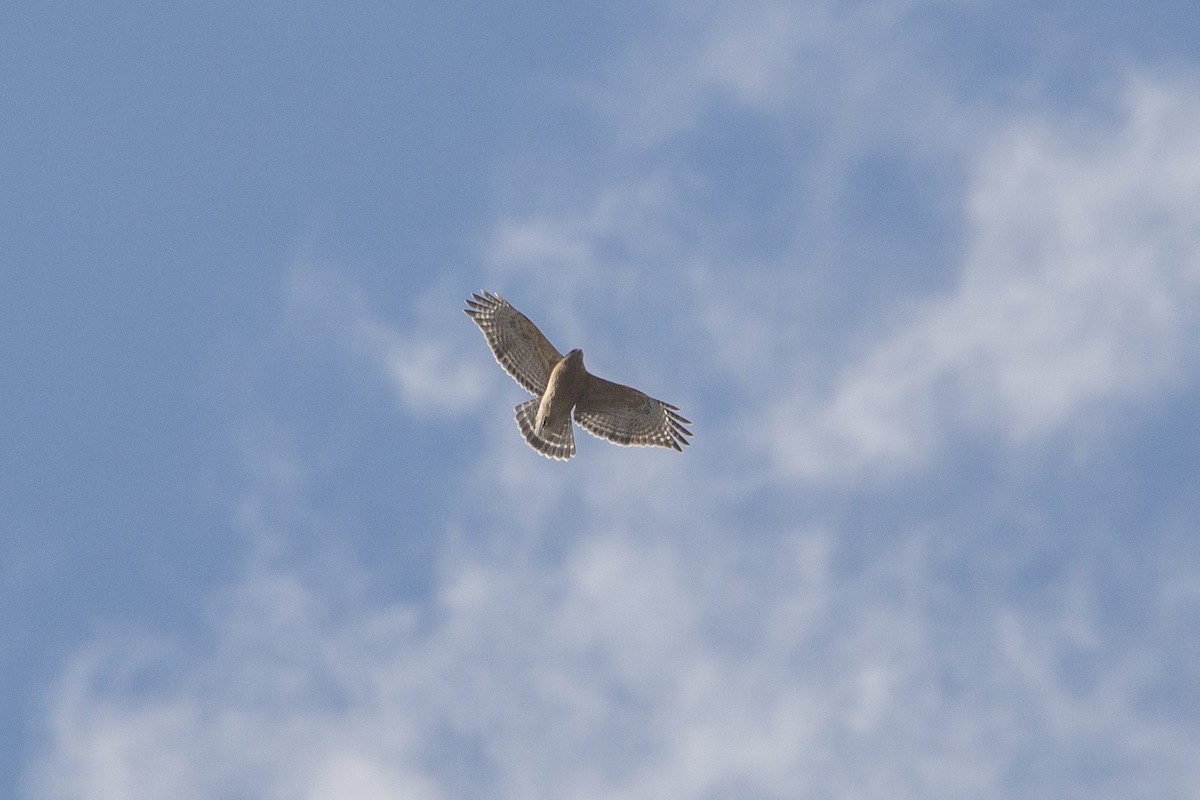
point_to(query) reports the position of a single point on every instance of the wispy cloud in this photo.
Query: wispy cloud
(1078, 292)
(624, 626)
(842, 62)
(430, 372)
(629, 668)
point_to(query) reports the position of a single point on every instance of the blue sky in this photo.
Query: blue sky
(925, 276)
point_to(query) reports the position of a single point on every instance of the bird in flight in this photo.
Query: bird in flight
(560, 384)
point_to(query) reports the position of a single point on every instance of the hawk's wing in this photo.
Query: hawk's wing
(515, 341)
(624, 415)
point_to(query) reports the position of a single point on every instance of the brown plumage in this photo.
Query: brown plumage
(560, 384)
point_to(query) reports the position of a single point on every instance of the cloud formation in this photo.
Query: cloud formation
(1078, 292)
(628, 669)
(637, 627)
(429, 374)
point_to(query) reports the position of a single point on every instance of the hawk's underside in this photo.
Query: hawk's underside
(560, 384)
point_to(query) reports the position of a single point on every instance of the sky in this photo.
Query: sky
(925, 276)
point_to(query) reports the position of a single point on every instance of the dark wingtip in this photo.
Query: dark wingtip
(484, 299)
(477, 303)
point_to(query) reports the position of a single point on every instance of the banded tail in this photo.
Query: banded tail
(556, 442)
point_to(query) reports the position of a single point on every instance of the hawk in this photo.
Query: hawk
(560, 383)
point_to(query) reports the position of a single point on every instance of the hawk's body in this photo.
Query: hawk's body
(560, 384)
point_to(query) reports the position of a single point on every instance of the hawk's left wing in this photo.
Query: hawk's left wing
(623, 415)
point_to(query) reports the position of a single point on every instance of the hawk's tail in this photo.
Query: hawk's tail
(557, 442)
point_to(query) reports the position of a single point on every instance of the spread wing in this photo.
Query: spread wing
(515, 341)
(626, 416)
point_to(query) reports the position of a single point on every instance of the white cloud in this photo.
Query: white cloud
(831, 84)
(847, 63)
(256, 716)
(620, 246)
(428, 364)
(630, 668)
(1078, 292)
(634, 641)
(613, 628)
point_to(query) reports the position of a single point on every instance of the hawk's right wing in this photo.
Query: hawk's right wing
(516, 342)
